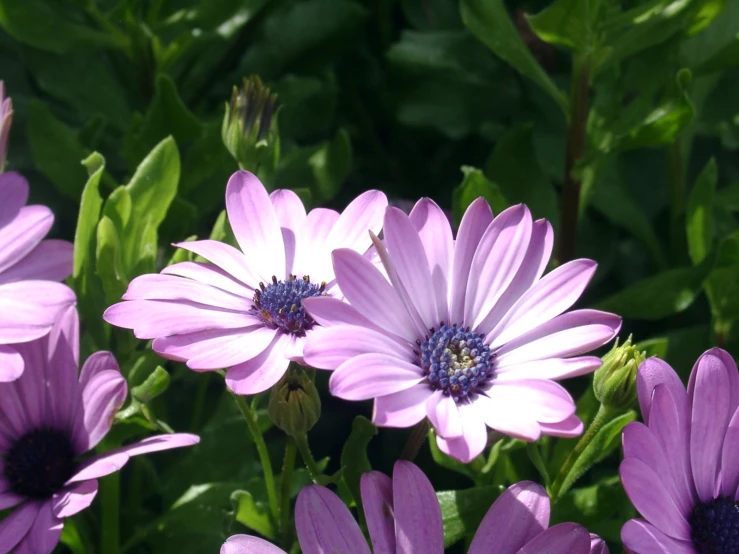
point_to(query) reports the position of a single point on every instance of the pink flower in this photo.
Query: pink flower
(403, 517)
(244, 309)
(50, 417)
(30, 299)
(681, 466)
(467, 333)
(6, 118)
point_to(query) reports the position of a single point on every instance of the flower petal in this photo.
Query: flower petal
(14, 527)
(729, 457)
(516, 517)
(552, 368)
(154, 286)
(363, 214)
(564, 538)
(74, 499)
(290, 214)
(368, 376)
(597, 545)
(418, 526)
(377, 500)
(210, 274)
(102, 398)
(329, 347)
(640, 536)
(568, 428)
(260, 372)
(542, 400)
(44, 534)
(21, 235)
(244, 544)
(443, 413)
(518, 423)
(328, 311)
(13, 194)
(28, 309)
(652, 499)
(51, 260)
(11, 364)
(97, 362)
(472, 443)
(324, 524)
(314, 255)
(225, 257)
(652, 372)
(401, 409)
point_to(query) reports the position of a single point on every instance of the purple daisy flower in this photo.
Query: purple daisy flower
(467, 333)
(403, 517)
(244, 310)
(681, 466)
(30, 299)
(6, 118)
(49, 418)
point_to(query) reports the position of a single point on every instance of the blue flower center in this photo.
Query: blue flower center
(456, 361)
(280, 304)
(39, 463)
(715, 527)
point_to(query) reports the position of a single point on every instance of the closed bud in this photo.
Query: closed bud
(614, 382)
(294, 404)
(249, 128)
(6, 117)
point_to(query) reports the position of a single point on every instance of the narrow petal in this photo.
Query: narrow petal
(21, 235)
(363, 214)
(97, 362)
(9, 500)
(548, 298)
(74, 499)
(314, 255)
(517, 423)
(377, 500)
(552, 368)
(475, 221)
(261, 372)
(401, 409)
(329, 311)
(225, 257)
(44, 534)
(565, 538)
(28, 309)
(14, 527)
(51, 260)
(370, 294)
(641, 536)
(324, 524)
(368, 376)
(729, 457)
(731, 372)
(652, 372)
(474, 440)
(290, 214)
(597, 545)
(497, 260)
(516, 517)
(102, 398)
(418, 525)
(543, 400)
(329, 347)
(255, 225)
(444, 415)
(244, 544)
(11, 364)
(652, 499)
(436, 236)
(212, 275)
(13, 195)
(568, 428)
(156, 286)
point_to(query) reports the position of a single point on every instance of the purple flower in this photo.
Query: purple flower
(681, 466)
(6, 118)
(244, 309)
(30, 299)
(467, 333)
(403, 517)
(49, 418)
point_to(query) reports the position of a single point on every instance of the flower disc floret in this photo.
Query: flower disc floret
(280, 304)
(39, 463)
(456, 361)
(715, 526)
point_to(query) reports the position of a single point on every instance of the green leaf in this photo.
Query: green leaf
(657, 346)
(56, 150)
(109, 264)
(489, 21)
(252, 513)
(660, 295)
(38, 24)
(532, 449)
(155, 384)
(331, 165)
(699, 218)
(564, 23)
(354, 458)
(513, 166)
(475, 185)
(462, 511)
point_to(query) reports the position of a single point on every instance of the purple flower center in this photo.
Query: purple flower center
(715, 527)
(39, 463)
(456, 361)
(280, 304)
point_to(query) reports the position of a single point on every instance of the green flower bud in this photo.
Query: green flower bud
(249, 128)
(294, 404)
(614, 382)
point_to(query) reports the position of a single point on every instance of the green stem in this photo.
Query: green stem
(256, 433)
(415, 441)
(563, 481)
(301, 440)
(576, 137)
(110, 493)
(288, 465)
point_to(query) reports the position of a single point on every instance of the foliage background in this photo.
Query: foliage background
(416, 98)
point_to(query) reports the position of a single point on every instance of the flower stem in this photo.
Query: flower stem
(110, 492)
(256, 433)
(415, 440)
(288, 465)
(576, 137)
(563, 481)
(301, 440)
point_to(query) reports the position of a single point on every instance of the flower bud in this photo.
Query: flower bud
(614, 382)
(294, 404)
(249, 128)
(6, 117)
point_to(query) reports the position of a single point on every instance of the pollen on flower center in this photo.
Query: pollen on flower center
(39, 463)
(280, 304)
(714, 527)
(456, 361)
